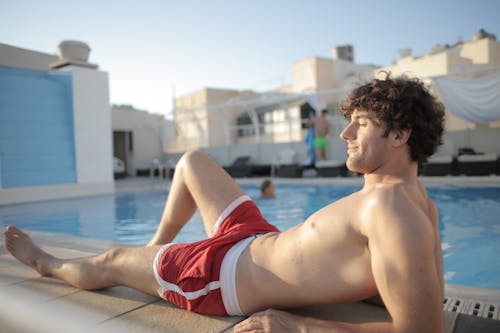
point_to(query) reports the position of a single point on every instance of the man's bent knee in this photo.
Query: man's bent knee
(188, 159)
(194, 156)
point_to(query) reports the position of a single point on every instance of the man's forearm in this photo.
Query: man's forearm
(280, 321)
(312, 325)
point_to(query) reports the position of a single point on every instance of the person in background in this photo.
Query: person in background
(267, 190)
(321, 130)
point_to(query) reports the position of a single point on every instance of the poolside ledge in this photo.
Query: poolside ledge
(31, 303)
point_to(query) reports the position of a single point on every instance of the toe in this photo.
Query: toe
(14, 230)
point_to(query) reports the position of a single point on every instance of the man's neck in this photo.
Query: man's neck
(398, 172)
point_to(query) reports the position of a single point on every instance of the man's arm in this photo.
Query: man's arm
(402, 243)
(276, 321)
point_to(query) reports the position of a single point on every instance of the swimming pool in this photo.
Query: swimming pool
(469, 221)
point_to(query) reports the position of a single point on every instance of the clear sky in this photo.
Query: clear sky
(149, 47)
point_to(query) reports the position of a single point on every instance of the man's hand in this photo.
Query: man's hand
(270, 321)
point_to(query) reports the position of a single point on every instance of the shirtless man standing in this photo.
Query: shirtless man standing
(321, 130)
(382, 240)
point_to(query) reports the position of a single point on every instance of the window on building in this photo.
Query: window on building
(245, 126)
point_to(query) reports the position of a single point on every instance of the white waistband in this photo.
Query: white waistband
(228, 277)
(228, 210)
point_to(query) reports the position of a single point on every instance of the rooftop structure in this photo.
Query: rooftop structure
(222, 117)
(54, 144)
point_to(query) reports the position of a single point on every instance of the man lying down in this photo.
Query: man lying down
(382, 240)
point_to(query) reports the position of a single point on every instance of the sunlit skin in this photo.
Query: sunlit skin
(365, 143)
(382, 240)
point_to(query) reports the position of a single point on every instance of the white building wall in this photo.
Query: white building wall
(92, 126)
(13, 56)
(345, 70)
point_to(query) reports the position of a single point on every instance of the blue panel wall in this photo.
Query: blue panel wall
(36, 128)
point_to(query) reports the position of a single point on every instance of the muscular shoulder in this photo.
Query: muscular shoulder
(397, 211)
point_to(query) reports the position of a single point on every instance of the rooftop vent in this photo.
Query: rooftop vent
(73, 53)
(344, 52)
(481, 33)
(403, 53)
(439, 48)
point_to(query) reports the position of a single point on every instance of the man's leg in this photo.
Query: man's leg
(199, 182)
(320, 154)
(131, 267)
(323, 154)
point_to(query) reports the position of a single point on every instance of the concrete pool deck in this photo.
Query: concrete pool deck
(31, 303)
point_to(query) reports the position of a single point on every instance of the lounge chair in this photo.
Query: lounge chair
(331, 168)
(477, 165)
(261, 170)
(156, 168)
(240, 168)
(171, 165)
(443, 162)
(285, 164)
(440, 166)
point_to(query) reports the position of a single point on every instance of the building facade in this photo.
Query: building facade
(472, 70)
(139, 138)
(54, 127)
(211, 118)
(478, 57)
(214, 118)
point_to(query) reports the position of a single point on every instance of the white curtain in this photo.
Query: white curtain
(475, 100)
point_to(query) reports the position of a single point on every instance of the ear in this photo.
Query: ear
(400, 137)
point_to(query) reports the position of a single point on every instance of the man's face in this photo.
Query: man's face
(366, 145)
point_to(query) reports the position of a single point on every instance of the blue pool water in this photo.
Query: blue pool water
(469, 221)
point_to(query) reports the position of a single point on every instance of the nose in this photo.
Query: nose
(347, 133)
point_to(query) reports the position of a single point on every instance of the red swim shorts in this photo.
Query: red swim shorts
(189, 275)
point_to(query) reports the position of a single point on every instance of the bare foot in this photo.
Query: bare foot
(20, 245)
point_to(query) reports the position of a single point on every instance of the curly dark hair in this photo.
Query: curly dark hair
(402, 103)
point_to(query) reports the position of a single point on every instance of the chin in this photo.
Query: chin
(359, 166)
(353, 167)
